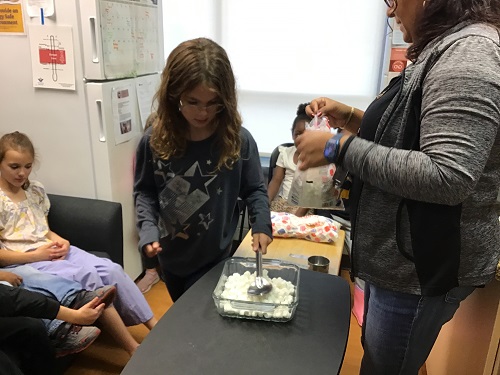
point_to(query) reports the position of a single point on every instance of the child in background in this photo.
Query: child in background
(193, 165)
(151, 276)
(25, 348)
(27, 239)
(69, 338)
(279, 186)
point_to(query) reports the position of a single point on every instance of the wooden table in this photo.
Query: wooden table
(281, 248)
(193, 339)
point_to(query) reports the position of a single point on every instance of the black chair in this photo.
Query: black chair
(242, 209)
(274, 159)
(91, 224)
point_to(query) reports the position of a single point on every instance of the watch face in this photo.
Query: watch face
(332, 148)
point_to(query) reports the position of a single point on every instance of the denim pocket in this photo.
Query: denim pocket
(458, 294)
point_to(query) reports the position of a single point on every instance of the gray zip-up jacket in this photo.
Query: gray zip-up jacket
(427, 217)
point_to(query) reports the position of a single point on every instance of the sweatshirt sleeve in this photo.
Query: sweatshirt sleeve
(21, 302)
(253, 189)
(459, 124)
(145, 194)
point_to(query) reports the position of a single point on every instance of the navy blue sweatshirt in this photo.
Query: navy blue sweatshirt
(191, 208)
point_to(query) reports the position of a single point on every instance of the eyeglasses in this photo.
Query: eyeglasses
(211, 108)
(390, 3)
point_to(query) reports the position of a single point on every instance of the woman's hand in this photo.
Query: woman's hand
(152, 249)
(338, 114)
(261, 240)
(11, 278)
(311, 147)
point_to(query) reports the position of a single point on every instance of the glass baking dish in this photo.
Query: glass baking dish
(265, 307)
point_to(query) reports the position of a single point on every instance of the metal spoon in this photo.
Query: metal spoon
(260, 286)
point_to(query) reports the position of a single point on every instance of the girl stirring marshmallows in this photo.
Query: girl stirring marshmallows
(26, 238)
(192, 166)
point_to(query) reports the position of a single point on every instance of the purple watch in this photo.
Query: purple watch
(332, 148)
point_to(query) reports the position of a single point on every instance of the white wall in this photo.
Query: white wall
(269, 116)
(287, 52)
(55, 120)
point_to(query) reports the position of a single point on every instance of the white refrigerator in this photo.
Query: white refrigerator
(80, 83)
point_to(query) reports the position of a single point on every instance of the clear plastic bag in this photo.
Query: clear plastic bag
(313, 188)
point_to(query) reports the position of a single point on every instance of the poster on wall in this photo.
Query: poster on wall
(33, 7)
(52, 60)
(146, 87)
(11, 18)
(130, 37)
(124, 102)
(397, 61)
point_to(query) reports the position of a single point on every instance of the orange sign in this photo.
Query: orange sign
(398, 60)
(11, 18)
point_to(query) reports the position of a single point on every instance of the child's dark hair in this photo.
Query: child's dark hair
(301, 115)
(19, 142)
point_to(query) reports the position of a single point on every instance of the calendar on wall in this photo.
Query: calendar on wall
(130, 37)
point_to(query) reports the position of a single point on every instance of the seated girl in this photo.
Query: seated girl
(279, 186)
(27, 238)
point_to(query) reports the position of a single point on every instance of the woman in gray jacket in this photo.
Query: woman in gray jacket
(426, 167)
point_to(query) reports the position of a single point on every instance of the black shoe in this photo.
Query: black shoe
(106, 295)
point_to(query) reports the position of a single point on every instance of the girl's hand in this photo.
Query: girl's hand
(62, 243)
(11, 278)
(64, 247)
(261, 240)
(59, 251)
(337, 113)
(48, 251)
(152, 249)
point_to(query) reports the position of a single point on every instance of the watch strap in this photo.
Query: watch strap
(344, 148)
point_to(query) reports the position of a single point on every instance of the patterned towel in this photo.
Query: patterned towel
(312, 227)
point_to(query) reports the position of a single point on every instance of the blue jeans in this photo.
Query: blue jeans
(400, 329)
(55, 287)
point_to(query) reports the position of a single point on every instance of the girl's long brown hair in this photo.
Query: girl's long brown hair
(194, 62)
(441, 15)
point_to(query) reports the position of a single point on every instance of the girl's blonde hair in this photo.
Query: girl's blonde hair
(191, 63)
(19, 142)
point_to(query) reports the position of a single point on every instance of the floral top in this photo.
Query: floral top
(23, 225)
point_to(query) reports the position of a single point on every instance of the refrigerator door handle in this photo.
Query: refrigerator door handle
(93, 33)
(102, 132)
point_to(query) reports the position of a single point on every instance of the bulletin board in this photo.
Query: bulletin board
(130, 38)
